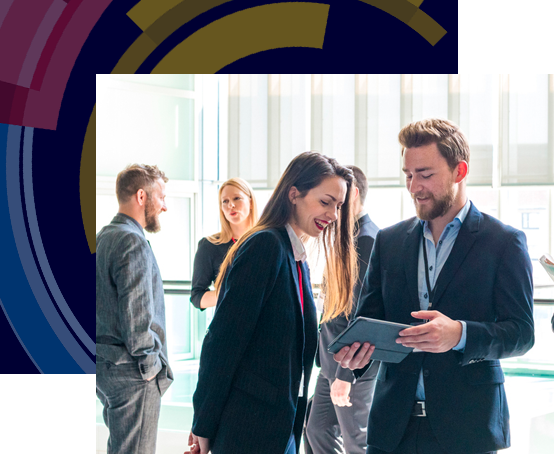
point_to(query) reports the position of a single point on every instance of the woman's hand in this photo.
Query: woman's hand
(355, 356)
(198, 445)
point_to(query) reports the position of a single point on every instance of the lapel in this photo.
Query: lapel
(295, 277)
(411, 259)
(462, 245)
(307, 321)
(309, 305)
(293, 269)
(309, 318)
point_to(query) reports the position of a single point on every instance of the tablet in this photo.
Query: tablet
(380, 333)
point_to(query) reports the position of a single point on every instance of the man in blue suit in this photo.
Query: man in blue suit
(468, 278)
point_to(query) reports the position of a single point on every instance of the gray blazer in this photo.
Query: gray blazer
(130, 312)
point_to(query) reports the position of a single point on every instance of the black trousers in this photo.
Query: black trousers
(418, 439)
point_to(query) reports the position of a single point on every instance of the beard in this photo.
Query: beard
(151, 218)
(438, 208)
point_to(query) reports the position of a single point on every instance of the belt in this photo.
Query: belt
(419, 408)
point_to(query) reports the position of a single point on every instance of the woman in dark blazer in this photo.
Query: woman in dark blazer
(258, 353)
(238, 213)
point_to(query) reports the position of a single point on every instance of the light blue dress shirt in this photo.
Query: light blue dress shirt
(436, 258)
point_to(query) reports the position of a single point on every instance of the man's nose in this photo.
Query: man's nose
(413, 186)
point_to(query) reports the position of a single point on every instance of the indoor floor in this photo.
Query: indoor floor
(531, 402)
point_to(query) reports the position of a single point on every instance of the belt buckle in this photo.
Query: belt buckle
(422, 404)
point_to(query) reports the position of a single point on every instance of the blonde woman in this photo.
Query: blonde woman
(238, 212)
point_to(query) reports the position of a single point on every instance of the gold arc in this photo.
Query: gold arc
(407, 11)
(160, 18)
(158, 21)
(146, 12)
(245, 33)
(87, 186)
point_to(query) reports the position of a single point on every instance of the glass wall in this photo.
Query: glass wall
(155, 119)
(138, 122)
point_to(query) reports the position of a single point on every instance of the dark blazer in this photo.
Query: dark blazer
(207, 261)
(255, 349)
(486, 281)
(364, 234)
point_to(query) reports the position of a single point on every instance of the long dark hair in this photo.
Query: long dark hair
(305, 172)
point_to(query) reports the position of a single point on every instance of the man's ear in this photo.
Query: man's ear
(462, 169)
(141, 197)
(293, 194)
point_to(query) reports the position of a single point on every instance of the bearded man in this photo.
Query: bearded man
(466, 278)
(132, 370)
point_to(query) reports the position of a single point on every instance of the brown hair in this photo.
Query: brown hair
(306, 171)
(361, 182)
(226, 233)
(451, 142)
(135, 177)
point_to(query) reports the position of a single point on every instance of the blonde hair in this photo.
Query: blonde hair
(226, 233)
(305, 172)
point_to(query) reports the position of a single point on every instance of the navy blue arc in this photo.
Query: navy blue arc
(31, 301)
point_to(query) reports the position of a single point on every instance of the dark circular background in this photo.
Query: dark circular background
(48, 303)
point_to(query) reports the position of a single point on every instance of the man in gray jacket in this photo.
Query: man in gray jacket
(132, 370)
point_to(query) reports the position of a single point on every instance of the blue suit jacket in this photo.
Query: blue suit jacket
(255, 350)
(486, 281)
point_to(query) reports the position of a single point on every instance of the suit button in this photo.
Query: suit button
(425, 373)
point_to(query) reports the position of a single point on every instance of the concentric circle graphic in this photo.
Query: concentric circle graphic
(51, 51)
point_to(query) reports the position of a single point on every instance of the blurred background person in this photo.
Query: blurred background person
(337, 421)
(258, 354)
(238, 213)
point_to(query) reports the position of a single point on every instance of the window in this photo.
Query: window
(154, 119)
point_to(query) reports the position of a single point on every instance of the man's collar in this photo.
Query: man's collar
(126, 217)
(461, 215)
(361, 214)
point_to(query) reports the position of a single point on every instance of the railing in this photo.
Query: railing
(177, 287)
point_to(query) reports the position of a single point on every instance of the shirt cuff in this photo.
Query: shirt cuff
(345, 374)
(462, 344)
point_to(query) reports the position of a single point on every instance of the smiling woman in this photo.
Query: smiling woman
(317, 208)
(250, 371)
